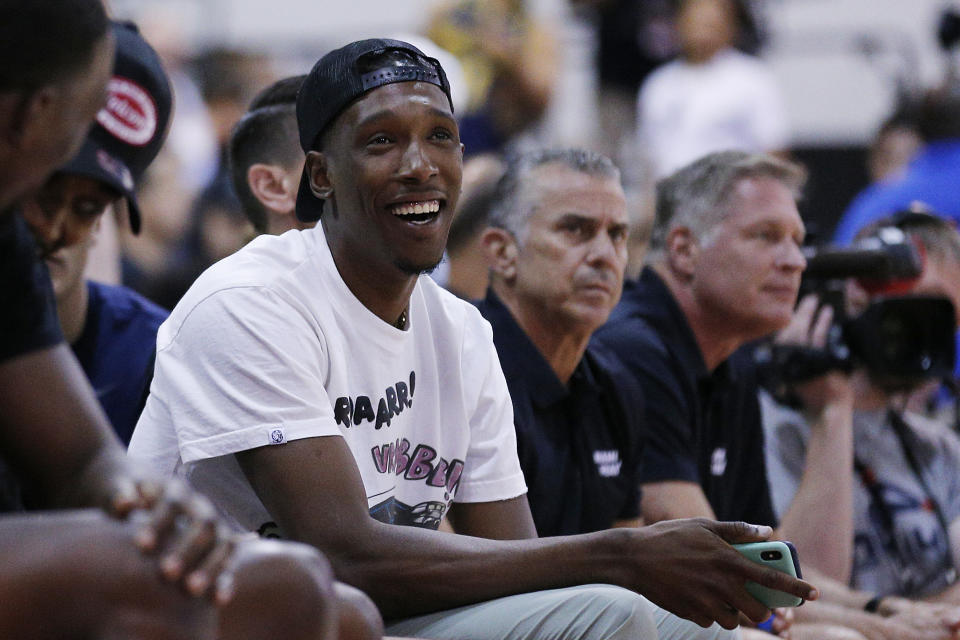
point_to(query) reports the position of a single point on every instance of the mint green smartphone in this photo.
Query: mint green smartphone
(778, 555)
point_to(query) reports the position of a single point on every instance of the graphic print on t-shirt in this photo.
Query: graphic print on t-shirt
(916, 548)
(426, 514)
(350, 411)
(399, 458)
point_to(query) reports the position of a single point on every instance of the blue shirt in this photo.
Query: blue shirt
(932, 177)
(579, 443)
(698, 426)
(116, 351)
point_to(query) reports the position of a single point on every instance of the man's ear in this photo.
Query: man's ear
(500, 251)
(266, 182)
(682, 252)
(318, 171)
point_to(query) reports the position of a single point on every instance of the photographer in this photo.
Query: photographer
(905, 468)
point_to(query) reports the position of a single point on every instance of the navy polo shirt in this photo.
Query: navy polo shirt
(117, 350)
(578, 443)
(698, 426)
(28, 312)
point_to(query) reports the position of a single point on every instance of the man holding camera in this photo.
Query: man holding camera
(724, 270)
(905, 467)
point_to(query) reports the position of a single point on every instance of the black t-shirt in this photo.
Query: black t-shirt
(699, 426)
(28, 313)
(579, 443)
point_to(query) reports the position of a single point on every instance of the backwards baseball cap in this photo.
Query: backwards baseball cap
(131, 127)
(341, 77)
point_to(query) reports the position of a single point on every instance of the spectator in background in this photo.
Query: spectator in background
(713, 98)
(509, 62)
(896, 143)
(557, 246)
(931, 177)
(182, 239)
(633, 38)
(557, 249)
(725, 270)
(468, 275)
(642, 216)
(149, 255)
(905, 468)
(112, 330)
(266, 161)
(218, 227)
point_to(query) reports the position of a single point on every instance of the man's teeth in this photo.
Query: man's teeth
(413, 208)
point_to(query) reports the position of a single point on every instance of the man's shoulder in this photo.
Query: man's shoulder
(631, 328)
(267, 262)
(614, 376)
(125, 305)
(933, 433)
(662, 78)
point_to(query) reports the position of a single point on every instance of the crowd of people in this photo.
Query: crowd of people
(565, 432)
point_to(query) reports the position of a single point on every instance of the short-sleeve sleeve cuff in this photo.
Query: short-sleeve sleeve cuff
(260, 435)
(663, 467)
(503, 488)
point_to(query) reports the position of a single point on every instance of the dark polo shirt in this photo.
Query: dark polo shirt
(28, 316)
(698, 426)
(578, 443)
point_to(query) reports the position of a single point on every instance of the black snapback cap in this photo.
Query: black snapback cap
(131, 127)
(336, 81)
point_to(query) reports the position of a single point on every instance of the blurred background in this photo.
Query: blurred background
(846, 74)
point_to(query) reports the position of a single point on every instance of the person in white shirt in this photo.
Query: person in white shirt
(317, 388)
(712, 98)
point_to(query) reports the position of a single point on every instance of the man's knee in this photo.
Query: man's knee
(613, 613)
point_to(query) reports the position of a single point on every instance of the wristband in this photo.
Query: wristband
(872, 604)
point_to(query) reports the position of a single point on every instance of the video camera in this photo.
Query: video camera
(900, 338)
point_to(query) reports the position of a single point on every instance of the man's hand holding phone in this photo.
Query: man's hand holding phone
(778, 555)
(690, 568)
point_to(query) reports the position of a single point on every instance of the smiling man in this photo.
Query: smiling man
(317, 387)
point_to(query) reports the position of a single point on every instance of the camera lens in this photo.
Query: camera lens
(770, 555)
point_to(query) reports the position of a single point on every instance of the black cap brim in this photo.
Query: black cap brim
(93, 161)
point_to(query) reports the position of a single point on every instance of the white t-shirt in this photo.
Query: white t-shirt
(269, 346)
(731, 102)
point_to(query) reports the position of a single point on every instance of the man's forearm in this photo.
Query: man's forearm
(52, 431)
(820, 518)
(408, 570)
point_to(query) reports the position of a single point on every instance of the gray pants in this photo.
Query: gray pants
(589, 612)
